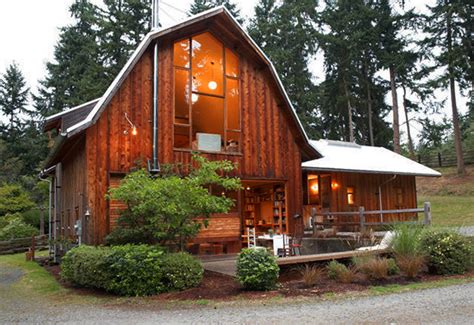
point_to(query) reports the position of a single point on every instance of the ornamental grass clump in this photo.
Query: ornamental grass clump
(257, 269)
(374, 267)
(447, 252)
(339, 272)
(406, 246)
(312, 275)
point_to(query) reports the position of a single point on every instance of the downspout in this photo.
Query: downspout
(154, 167)
(380, 195)
(43, 177)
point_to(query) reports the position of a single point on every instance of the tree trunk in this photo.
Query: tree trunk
(349, 112)
(396, 124)
(410, 140)
(452, 88)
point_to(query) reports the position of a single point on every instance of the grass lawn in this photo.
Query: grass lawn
(450, 210)
(35, 280)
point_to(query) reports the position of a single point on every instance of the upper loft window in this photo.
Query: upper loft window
(206, 105)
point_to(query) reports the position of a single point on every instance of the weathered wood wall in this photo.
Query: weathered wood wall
(269, 149)
(366, 188)
(111, 147)
(73, 188)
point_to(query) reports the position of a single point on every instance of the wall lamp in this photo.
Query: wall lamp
(132, 126)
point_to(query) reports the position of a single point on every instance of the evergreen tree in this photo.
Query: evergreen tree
(352, 98)
(13, 100)
(76, 74)
(122, 25)
(202, 5)
(448, 44)
(286, 32)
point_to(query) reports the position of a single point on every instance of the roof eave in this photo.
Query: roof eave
(341, 170)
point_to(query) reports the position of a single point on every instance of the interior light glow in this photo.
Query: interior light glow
(212, 85)
(314, 188)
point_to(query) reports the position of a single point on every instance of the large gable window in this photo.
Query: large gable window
(207, 106)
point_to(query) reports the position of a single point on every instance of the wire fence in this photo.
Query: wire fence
(439, 159)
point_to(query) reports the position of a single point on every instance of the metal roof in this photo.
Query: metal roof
(350, 157)
(113, 88)
(69, 117)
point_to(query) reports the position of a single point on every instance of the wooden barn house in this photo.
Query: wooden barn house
(204, 85)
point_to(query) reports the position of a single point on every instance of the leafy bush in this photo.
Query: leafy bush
(136, 270)
(123, 236)
(340, 272)
(14, 227)
(181, 271)
(130, 270)
(257, 269)
(86, 266)
(373, 266)
(393, 268)
(13, 198)
(447, 252)
(312, 275)
(171, 208)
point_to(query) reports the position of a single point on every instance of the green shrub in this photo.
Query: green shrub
(123, 236)
(181, 271)
(130, 270)
(86, 266)
(393, 268)
(340, 272)
(257, 269)
(14, 227)
(135, 270)
(447, 252)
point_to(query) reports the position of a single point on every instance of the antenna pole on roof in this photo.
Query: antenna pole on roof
(155, 15)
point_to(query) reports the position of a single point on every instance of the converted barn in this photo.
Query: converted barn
(203, 85)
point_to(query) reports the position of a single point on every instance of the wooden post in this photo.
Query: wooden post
(42, 220)
(427, 212)
(362, 218)
(439, 160)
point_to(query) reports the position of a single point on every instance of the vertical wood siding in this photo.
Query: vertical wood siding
(269, 149)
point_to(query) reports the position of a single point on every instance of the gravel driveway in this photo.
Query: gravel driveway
(448, 305)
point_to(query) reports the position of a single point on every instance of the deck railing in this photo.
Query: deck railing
(426, 210)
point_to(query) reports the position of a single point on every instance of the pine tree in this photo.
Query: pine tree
(351, 98)
(76, 74)
(122, 25)
(447, 26)
(13, 100)
(202, 5)
(286, 33)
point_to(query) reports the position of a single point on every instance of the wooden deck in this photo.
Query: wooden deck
(326, 257)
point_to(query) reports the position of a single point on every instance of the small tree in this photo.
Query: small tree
(14, 199)
(171, 209)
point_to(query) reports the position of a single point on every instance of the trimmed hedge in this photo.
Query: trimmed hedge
(130, 270)
(257, 269)
(447, 252)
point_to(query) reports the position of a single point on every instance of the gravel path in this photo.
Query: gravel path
(448, 305)
(467, 230)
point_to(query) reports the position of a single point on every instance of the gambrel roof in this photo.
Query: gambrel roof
(220, 12)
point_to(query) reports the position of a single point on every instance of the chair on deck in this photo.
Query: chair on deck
(297, 239)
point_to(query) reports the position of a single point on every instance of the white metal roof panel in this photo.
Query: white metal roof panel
(351, 157)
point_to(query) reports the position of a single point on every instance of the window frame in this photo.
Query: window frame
(224, 97)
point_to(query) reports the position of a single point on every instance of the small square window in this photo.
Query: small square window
(350, 196)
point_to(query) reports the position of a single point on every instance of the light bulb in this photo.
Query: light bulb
(314, 188)
(134, 130)
(212, 85)
(194, 98)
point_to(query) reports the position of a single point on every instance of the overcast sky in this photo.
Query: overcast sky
(29, 30)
